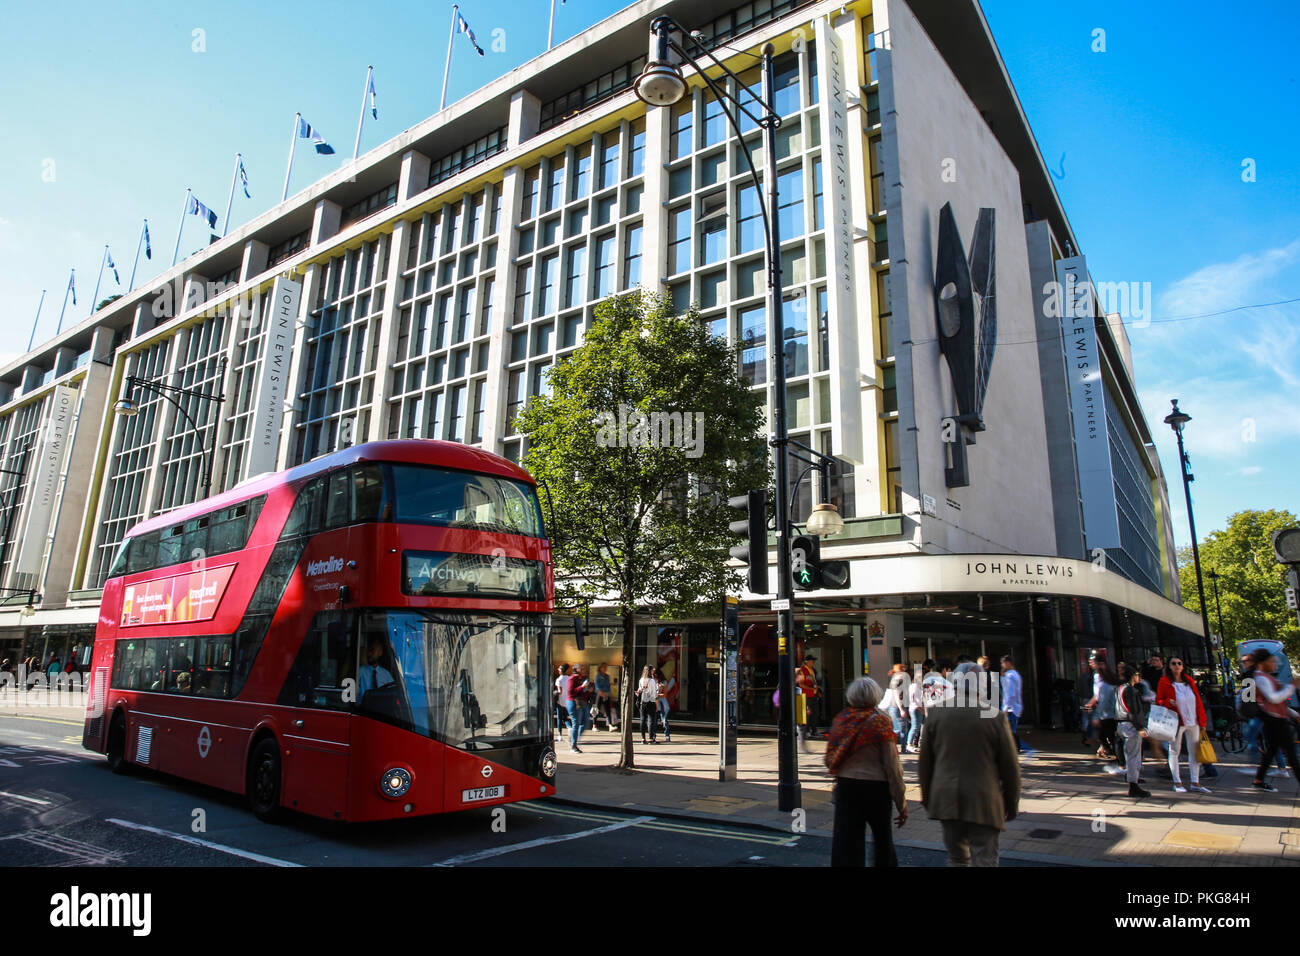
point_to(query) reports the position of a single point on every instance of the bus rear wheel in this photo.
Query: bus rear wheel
(264, 780)
(117, 745)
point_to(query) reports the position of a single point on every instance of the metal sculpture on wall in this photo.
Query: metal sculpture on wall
(967, 318)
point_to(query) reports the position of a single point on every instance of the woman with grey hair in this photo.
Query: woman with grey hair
(862, 755)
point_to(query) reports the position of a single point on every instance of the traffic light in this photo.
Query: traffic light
(810, 571)
(754, 526)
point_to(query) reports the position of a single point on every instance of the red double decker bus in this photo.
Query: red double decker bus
(363, 637)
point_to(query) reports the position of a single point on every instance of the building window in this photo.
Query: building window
(753, 340)
(632, 258)
(679, 240)
(680, 137)
(532, 189)
(381, 199)
(893, 471)
(574, 293)
(605, 260)
(550, 267)
(581, 173)
(523, 292)
(790, 206)
(554, 183)
(609, 149)
(636, 165)
(750, 231)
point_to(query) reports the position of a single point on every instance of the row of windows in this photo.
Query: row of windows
(380, 199)
(454, 162)
(217, 532)
(193, 666)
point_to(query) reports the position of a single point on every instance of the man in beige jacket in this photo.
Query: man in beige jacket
(968, 769)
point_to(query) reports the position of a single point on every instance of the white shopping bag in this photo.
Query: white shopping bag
(1162, 723)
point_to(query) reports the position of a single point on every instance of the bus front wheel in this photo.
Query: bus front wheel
(117, 744)
(264, 780)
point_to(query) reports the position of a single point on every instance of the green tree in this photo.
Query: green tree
(1252, 585)
(647, 429)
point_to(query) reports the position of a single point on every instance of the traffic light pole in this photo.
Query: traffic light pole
(789, 797)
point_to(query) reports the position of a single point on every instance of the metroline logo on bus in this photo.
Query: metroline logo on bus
(193, 596)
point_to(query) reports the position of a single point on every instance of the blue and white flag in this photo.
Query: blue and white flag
(373, 111)
(243, 178)
(148, 253)
(463, 26)
(203, 212)
(109, 262)
(306, 132)
(72, 286)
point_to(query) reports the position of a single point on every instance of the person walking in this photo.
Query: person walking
(1104, 715)
(560, 697)
(806, 681)
(647, 692)
(862, 756)
(1131, 711)
(969, 776)
(1179, 693)
(897, 700)
(604, 701)
(1013, 704)
(1273, 698)
(666, 688)
(578, 703)
(916, 708)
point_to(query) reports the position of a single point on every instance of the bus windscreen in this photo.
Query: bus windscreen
(455, 499)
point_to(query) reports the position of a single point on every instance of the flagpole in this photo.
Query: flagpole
(446, 73)
(356, 150)
(71, 279)
(181, 228)
(138, 246)
(100, 278)
(293, 141)
(225, 226)
(37, 322)
(550, 31)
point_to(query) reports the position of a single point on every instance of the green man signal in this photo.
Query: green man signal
(810, 572)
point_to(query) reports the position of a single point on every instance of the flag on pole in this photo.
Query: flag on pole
(72, 286)
(203, 212)
(306, 132)
(371, 90)
(148, 253)
(109, 263)
(243, 178)
(463, 26)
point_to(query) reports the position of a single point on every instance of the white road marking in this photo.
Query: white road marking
(75, 852)
(195, 841)
(544, 841)
(19, 796)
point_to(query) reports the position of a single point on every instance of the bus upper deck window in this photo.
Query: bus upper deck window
(368, 502)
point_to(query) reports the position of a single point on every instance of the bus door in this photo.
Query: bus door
(320, 691)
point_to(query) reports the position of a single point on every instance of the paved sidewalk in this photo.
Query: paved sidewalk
(1071, 811)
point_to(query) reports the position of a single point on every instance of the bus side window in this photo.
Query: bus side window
(169, 547)
(181, 680)
(323, 663)
(337, 500)
(194, 542)
(153, 665)
(368, 499)
(304, 518)
(212, 666)
(144, 553)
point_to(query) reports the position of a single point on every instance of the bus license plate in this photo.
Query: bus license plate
(482, 793)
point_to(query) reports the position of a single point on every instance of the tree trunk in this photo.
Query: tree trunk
(627, 713)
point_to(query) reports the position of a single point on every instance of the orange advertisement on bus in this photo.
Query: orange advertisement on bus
(180, 598)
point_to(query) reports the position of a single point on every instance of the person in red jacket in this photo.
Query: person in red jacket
(1178, 692)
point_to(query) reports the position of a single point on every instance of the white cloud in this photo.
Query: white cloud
(1226, 285)
(1250, 470)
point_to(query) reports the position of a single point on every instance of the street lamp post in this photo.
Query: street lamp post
(1218, 611)
(1176, 420)
(130, 408)
(662, 84)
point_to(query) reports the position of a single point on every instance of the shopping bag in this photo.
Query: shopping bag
(1205, 752)
(1162, 724)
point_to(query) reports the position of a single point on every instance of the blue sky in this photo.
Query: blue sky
(117, 109)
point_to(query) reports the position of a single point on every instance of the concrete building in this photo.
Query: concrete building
(424, 289)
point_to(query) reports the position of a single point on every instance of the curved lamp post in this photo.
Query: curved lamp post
(129, 407)
(662, 83)
(1176, 420)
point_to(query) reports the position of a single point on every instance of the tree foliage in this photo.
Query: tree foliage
(637, 506)
(1252, 585)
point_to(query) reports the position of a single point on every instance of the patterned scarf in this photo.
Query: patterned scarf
(852, 729)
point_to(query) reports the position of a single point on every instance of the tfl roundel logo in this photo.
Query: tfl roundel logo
(486, 771)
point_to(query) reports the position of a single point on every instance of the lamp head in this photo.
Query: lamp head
(127, 407)
(825, 520)
(661, 82)
(1177, 418)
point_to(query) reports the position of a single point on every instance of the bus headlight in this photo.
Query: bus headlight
(395, 782)
(548, 764)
